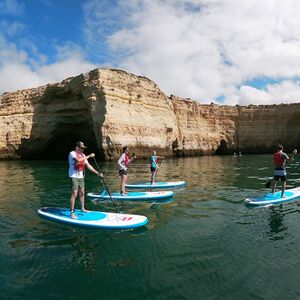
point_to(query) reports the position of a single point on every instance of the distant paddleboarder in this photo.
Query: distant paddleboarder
(154, 165)
(77, 163)
(280, 160)
(123, 163)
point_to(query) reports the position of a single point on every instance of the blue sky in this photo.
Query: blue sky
(222, 51)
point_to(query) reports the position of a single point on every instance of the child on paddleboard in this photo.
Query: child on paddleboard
(280, 159)
(123, 163)
(154, 165)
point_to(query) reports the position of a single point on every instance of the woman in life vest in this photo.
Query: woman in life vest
(280, 160)
(154, 165)
(77, 162)
(123, 163)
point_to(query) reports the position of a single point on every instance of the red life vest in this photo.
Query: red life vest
(79, 166)
(277, 159)
(126, 160)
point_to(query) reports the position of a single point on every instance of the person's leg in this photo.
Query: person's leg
(72, 203)
(152, 176)
(123, 183)
(283, 183)
(273, 185)
(81, 196)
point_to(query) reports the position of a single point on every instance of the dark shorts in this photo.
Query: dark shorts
(122, 172)
(280, 178)
(152, 169)
(77, 183)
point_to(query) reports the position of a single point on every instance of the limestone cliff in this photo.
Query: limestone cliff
(108, 109)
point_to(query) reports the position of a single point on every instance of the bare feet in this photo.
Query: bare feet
(123, 193)
(84, 210)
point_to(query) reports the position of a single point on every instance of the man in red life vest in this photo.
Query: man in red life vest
(280, 160)
(123, 163)
(77, 162)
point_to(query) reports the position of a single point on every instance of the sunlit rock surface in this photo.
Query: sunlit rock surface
(108, 109)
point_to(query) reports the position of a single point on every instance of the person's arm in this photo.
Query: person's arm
(83, 158)
(120, 160)
(132, 159)
(91, 168)
(290, 158)
(292, 155)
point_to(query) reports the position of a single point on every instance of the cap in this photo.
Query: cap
(80, 144)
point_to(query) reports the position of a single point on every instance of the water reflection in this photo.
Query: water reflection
(276, 224)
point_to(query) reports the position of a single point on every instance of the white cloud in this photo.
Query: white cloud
(19, 71)
(207, 48)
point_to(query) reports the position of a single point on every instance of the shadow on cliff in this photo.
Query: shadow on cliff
(61, 118)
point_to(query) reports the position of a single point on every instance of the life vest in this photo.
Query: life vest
(79, 166)
(126, 160)
(278, 160)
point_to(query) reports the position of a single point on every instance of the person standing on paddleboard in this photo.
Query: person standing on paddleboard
(154, 165)
(77, 163)
(280, 160)
(123, 163)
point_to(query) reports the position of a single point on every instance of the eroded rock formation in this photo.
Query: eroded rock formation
(108, 109)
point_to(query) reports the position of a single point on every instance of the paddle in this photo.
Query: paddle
(104, 183)
(157, 170)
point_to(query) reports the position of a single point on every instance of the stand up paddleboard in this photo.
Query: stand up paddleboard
(133, 196)
(156, 185)
(275, 198)
(93, 218)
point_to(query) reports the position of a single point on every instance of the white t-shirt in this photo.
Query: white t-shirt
(121, 162)
(72, 172)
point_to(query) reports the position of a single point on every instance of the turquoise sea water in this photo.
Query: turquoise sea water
(205, 244)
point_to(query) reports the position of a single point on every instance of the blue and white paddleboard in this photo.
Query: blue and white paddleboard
(275, 198)
(133, 196)
(93, 218)
(156, 185)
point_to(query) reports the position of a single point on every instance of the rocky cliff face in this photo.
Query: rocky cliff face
(108, 109)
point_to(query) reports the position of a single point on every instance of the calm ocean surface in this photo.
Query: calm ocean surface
(204, 245)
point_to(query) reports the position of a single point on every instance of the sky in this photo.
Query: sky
(222, 51)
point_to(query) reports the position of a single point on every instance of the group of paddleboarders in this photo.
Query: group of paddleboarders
(78, 161)
(280, 159)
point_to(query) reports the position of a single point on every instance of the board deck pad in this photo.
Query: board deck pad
(93, 218)
(156, 185)
(275, 198)
(133, 196)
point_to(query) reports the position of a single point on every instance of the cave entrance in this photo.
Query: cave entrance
(223, 148)
(64, 138)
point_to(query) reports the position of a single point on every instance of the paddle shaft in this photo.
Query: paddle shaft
(158, 169)
(104, 183)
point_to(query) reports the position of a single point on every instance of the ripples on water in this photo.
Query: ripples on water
(203, 245)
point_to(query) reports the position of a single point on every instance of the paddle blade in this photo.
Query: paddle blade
(268, 184)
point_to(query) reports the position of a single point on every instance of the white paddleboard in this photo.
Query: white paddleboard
(93, 218)
(275, 198)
